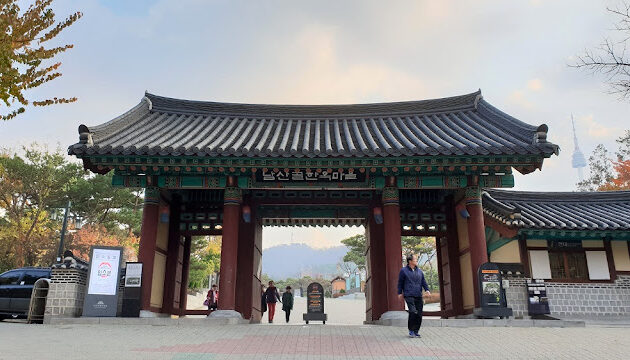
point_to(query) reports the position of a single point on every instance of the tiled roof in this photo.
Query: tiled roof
(606, 210)
(460, 125)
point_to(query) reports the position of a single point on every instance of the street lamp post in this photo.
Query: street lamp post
(63, 233)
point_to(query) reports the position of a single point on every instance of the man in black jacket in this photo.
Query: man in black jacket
(410, 284)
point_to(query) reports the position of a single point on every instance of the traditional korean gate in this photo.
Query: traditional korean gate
(216, 163)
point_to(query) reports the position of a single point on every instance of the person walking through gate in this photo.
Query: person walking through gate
(410, 284)
(212, 299)
(287, 302)
(271, 296)
(263, 301)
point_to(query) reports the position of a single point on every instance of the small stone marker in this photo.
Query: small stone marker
(315, 303)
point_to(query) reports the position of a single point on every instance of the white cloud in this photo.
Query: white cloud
(598, 130)
(535, 84)
(315, 237)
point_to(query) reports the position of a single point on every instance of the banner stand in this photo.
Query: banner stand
(101, 298)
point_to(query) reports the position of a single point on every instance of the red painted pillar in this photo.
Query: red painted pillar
(378, 278)
(245, 274)
(476, 235)
(393, 247)
(148, 235)
(229, 248)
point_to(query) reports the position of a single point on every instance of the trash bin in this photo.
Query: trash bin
(38, 301)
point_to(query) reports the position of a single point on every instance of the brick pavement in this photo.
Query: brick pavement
(41, 342)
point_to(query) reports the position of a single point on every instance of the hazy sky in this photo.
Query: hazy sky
(325, 52)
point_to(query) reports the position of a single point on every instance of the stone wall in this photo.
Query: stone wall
(66, 293)
(576, 300)
(516, 296)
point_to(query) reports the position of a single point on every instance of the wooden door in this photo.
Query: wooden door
(179, 273)
(446, 290)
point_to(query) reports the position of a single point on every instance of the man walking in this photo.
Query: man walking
(410, 284)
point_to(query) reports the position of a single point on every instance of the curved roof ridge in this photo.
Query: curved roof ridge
(411, 128)
(568, 196)
(484, 105)
(446, 104)
(144, 104)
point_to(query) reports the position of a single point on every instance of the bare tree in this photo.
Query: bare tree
(610, 58)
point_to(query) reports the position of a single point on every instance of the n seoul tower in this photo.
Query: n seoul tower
(578, 162)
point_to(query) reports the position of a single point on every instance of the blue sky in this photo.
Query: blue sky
(324, 52)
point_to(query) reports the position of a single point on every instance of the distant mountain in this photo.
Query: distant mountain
(296, 260)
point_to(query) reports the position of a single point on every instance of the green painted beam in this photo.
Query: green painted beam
(497, 244)
(576, 235)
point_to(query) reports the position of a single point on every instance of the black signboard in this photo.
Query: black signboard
(490, 285)
(315, 298)
(309, 175)
(132, 293)
(102, 283)
(491, 294)
(555, 244)
(315, 303)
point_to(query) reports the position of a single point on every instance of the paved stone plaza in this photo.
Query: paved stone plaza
(42, 342)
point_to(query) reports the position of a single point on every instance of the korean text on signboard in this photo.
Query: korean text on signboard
(133, 275)
(302, 175)
(315, 298)
(104, 272)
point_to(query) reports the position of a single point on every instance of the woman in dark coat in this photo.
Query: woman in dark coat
(272, 297)
(287, 302)
(263, 302)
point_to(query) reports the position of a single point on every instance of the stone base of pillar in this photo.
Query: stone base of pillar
(393, 315)
(225, 314)
(152, 314)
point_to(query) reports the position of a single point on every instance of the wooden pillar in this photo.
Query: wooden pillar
(257, 272)
(245, 273)
(148, 236)
(610, 259)
(376, 264)
(443, 283)
(393, 246)
(454, 268)
(171, 292)
(522, 249)
(476, 235)
(183, 294)
(229, 248)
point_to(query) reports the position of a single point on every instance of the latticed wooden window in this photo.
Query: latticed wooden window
(576, 261)
(556, 263)
(569, 265)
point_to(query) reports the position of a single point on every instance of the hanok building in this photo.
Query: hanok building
(405, 168)
(576, 242)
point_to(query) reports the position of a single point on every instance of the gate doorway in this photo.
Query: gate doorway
(296, 256)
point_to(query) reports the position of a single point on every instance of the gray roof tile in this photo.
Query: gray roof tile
(603, 210)
(460, 125)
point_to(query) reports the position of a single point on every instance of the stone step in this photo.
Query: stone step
(483, 323)
(159, 321)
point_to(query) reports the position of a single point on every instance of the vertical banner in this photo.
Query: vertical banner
(101, 299)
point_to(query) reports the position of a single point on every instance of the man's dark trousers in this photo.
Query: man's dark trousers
(414, 304)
